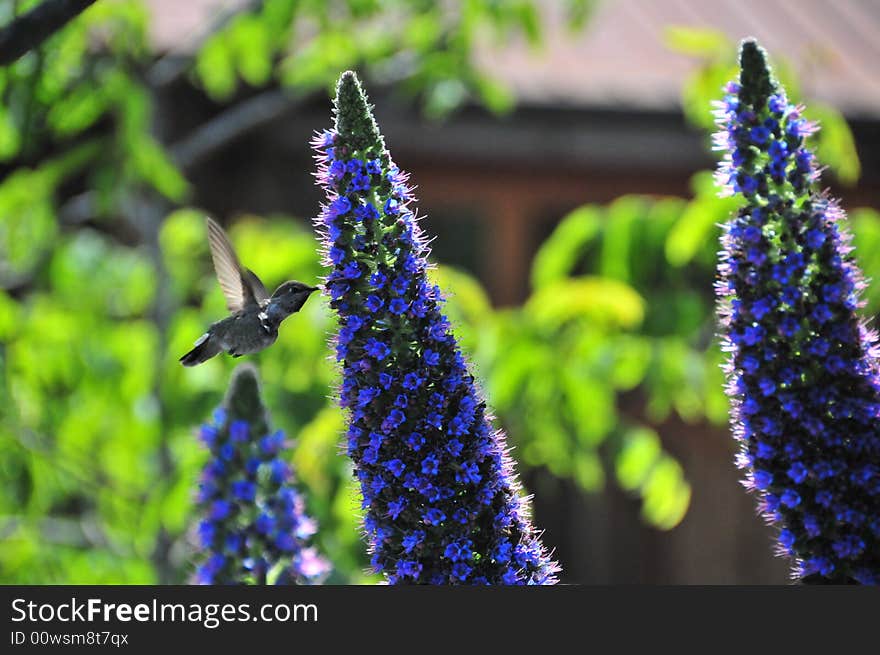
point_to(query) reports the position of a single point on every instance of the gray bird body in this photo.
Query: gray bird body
(242, 333)
(253, 324)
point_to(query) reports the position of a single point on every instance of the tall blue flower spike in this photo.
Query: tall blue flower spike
(802, 368)
(442, 501)
(254, 529)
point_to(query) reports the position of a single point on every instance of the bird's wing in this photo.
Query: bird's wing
(241, 287)
(255, 284)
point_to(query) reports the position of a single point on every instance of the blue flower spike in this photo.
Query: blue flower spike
(254, 529)
(802, 367)
(441, 498)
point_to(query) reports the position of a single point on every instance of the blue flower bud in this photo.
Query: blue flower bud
(253, 520)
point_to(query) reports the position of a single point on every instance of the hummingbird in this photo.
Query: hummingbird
(255, 316)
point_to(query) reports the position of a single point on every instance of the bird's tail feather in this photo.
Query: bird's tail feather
(204, 350)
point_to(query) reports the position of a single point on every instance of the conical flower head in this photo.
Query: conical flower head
(254, 528)
(802, 370)
(443, 504)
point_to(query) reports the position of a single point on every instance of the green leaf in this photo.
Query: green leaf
(78, 109)
(787, 74)
(588, 472)
(317, 64)
(608, 302)
(495, 95)
(557, 256)
(717, 403)
(866, 240)
(579, 11)
(444, 96)
(529, 21)
(630, 356)
(152, 164)
(552, 450)
(666, 495)
(10, 322)
(177, 505)
(591, 404)
(702, 89)
(317, 445)
(120, 281)
(183, 240)
(10, 139)
(642, 466)
(423, 31)
(511, 372)
(27, 221)
(696, 227)
(637, 457)
(215, 67)
(697, 42)
(622, 216)
(464, 292)
(249, 37)
(278, 16)
(675, 379)
(836, 146)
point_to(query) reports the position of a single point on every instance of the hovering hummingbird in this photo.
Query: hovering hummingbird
(255, 317)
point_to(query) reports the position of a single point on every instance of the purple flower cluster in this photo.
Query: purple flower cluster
(253, 528)
(442, 502)
(802, 368)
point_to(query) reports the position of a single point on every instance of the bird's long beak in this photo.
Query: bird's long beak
(312, 289)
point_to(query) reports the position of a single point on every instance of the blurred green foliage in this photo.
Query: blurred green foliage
(87, 497)
(423, 47)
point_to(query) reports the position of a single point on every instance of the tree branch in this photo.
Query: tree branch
(29, 30)
(200, 144)
(240, 119)
(230, 125)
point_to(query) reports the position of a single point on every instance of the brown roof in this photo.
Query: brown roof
(179, 25)
(620, 58)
